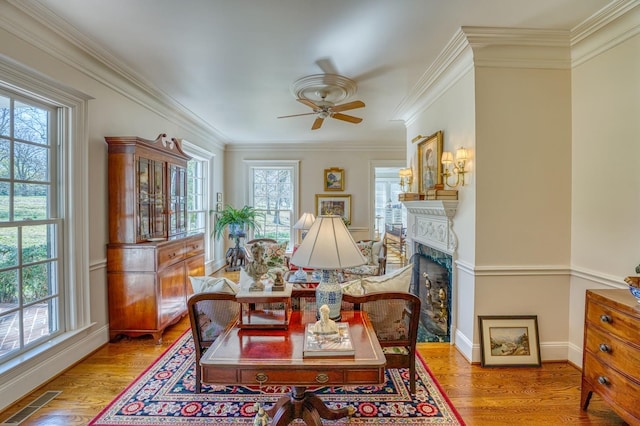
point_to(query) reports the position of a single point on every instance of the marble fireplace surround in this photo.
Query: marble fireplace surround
(430, 235)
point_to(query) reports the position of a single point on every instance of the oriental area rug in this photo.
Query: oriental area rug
(164, 395)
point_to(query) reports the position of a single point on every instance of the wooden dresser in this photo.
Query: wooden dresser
(150, 254)
(611, 353)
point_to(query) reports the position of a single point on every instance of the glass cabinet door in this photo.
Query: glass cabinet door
(177, 199)
(151, 199)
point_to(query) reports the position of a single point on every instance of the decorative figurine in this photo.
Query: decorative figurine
(278, 282)
(325, 325)
(257, 267)
(261, 418)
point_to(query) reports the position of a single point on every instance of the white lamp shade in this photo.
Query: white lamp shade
(328, 245)
(447, 157)
(461, 154)
(305, 221)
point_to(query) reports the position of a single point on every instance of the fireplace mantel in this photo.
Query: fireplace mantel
(431, 224)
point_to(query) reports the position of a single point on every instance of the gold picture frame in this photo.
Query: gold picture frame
(509, 341)
(429, 164)
(327, 204)
(334, 179)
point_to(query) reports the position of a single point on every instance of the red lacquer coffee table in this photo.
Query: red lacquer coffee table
(274, 357)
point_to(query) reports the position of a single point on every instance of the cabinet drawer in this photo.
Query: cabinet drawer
(170, 254)
(194, 245)
(291, 377)
(617, 390)
(613, 352)
(613, 321)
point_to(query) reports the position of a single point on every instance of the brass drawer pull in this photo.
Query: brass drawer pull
(322, 378)
(603, 380)
(604, 347)
(261, 378)
(606, 318)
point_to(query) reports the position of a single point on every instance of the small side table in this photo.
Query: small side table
(250, 317)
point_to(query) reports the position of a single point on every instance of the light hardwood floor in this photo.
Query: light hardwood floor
(548, 395)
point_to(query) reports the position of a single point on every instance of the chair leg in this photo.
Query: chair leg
(412, 376)
(198, 377)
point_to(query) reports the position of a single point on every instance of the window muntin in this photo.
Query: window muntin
(273, 198)
(197, 195)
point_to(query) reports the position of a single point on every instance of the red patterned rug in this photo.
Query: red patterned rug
(164, 395)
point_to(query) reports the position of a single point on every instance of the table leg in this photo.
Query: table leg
(304, 405)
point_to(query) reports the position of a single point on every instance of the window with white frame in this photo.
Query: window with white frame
(197, 195)
(272, 194)
(31, 297)
(43, 216)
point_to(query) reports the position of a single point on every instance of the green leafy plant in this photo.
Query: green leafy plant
(241, 219)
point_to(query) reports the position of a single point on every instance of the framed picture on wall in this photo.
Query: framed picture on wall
(328, 204)
(509, 341)
(219, 197)
(334, 179)
(429, 164)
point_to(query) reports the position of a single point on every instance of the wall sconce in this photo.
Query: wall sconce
(458, 167)
(406, 178)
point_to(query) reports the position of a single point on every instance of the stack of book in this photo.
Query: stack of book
(442, 194)
(409, 196)
(332, 345)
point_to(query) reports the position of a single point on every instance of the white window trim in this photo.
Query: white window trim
(295, 179)
(36, 367)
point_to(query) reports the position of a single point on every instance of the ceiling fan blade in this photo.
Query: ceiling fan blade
(317, 123)
(344, 117)
(348, 105)
(296, 115)
(308, 103)
(327, 66)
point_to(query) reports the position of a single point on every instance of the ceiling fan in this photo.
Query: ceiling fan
(324, 109)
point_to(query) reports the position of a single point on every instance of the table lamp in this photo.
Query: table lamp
(304, 224)
(328, 246)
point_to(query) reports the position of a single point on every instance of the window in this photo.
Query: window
(197, 195)
(388, 210)
(31, 298)
(44, 222)
(273, 185)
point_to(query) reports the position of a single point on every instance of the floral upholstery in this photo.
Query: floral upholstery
(274, 255)
(372, 251)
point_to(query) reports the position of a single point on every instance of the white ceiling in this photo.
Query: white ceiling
(231, 62)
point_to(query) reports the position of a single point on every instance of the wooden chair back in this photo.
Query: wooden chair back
(395, 316)
(210, 314)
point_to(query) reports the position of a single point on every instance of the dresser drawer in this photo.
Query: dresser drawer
(194, 245)
(616, 389)
(612, 321)
(613, 352)
(170, 254)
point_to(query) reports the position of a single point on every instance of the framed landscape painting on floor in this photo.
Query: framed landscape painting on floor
(509, 341)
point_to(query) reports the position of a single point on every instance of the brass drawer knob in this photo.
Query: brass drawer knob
(606, 318)
(322, 378)
(261, 378)
(604, 347)
(603, 380)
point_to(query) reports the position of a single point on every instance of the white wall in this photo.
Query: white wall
(356, 162)
(605, 173)
(111, 112)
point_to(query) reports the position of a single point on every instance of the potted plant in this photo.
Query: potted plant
(238, 221)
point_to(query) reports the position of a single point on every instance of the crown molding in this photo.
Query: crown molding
(612, 25)
(398, 148)
(38, 26)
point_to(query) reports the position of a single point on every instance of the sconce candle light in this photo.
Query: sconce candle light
(458, 167)
(406, 178)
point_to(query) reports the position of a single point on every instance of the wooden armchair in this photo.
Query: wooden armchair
(210, 314)
(395, 318)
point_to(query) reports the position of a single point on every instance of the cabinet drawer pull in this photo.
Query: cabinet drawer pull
(322, 378)
(604, 347)
(606, 318)
(603, 380)
(261, 378)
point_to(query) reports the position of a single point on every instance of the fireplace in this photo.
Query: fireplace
(431, 281)
(432, 245)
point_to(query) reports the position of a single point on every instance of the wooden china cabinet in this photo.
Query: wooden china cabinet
(150, 255)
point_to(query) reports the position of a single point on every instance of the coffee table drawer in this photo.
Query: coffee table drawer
(291, 377)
